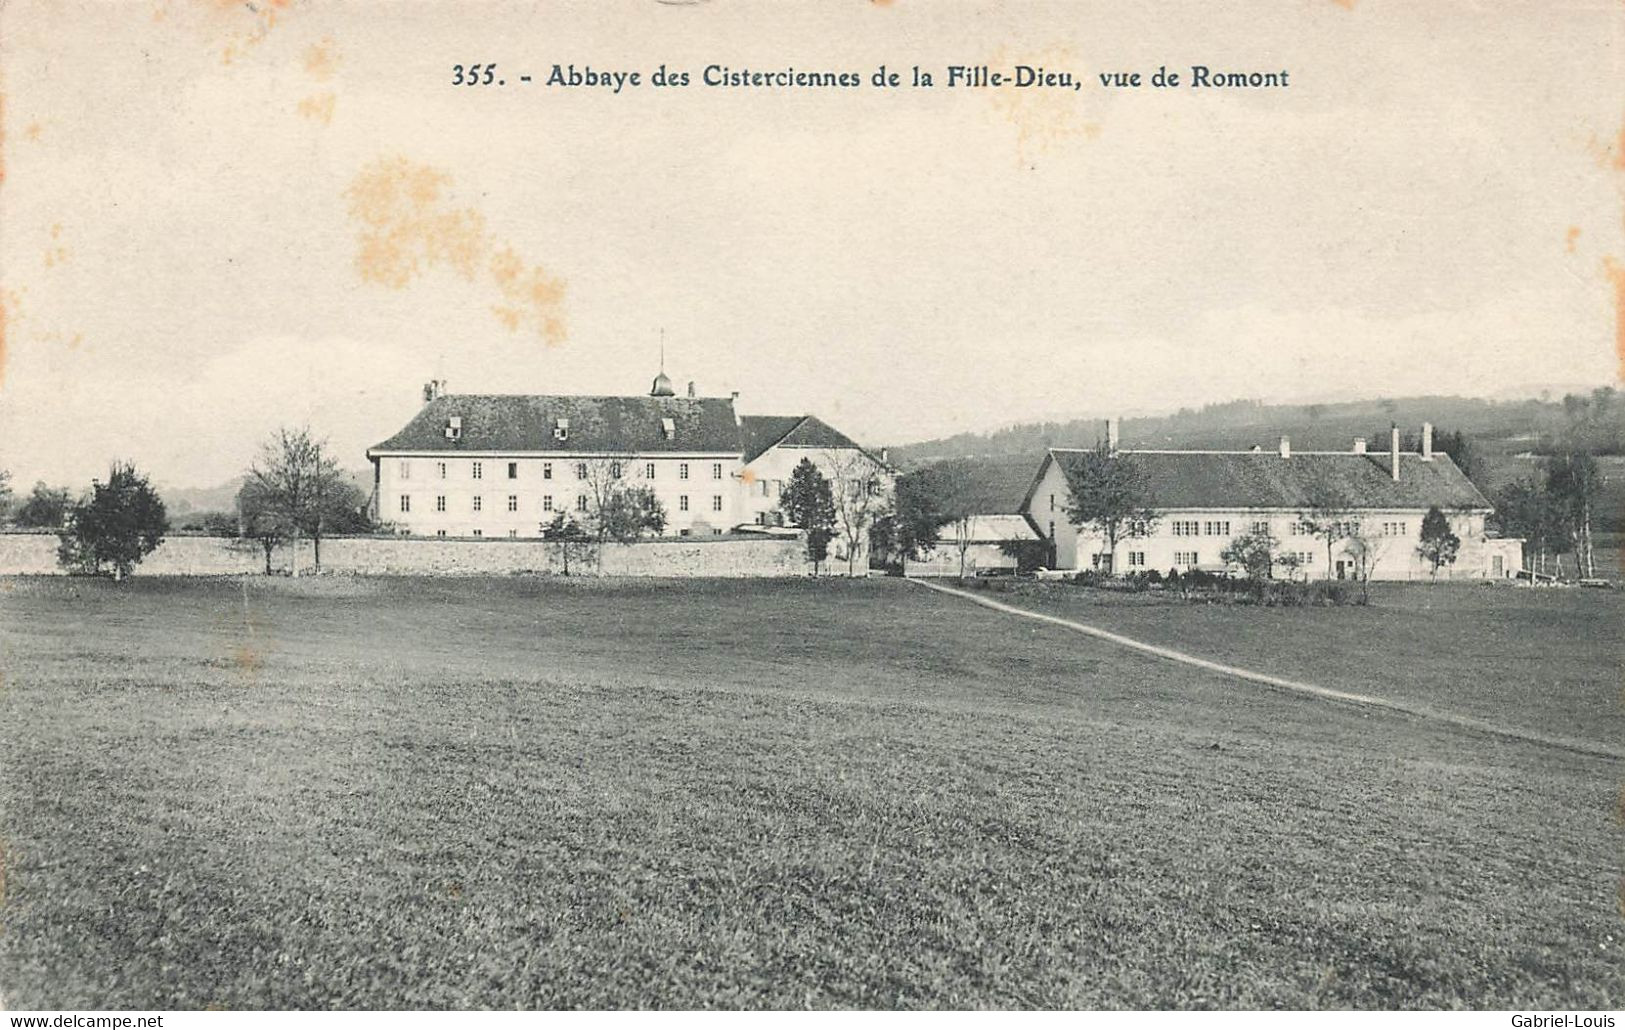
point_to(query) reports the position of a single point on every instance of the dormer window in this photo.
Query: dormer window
(454, 428)
(561, 429)
(668, 427)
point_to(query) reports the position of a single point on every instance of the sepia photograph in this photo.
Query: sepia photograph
(865, 505)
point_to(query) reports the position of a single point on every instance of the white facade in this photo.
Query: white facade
(515, 494)
(1187, 538)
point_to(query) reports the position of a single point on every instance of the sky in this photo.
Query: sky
(217, 218)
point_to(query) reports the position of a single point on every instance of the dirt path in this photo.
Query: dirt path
(1296, 686)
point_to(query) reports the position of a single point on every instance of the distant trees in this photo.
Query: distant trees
(809, 504)
(6, 497)
(45, 508)
(1573, 483)
(122, 521)
(1437, 544)
(1524, 508)
(1109, 493)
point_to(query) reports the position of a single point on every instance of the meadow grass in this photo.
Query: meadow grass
(542, 793)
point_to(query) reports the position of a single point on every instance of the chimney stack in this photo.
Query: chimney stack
(737, 420)
(1393, 451)
(1111, 435)
(1359, 445)
(691, 389)
(1286, 447)
(434, 389)
(1427, 441)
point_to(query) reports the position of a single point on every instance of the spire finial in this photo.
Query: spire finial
(662, 350)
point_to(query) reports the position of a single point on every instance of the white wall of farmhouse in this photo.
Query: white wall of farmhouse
(1192, 538)
(764, 479)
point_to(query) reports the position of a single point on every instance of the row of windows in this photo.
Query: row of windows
(1185, 558)
(543, 529)
(477, 470)
(547, 503)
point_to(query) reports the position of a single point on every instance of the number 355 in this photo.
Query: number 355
(474, 75)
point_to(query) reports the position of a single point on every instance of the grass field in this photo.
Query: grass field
(427, 793)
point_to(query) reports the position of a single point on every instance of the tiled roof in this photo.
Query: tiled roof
(1264, 479)
(995, 487)
(513, 422)
(762, 432)
(759, 432)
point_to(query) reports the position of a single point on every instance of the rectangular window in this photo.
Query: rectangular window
(1136, 559)
(513, 470)
(513, 502)
(614, 470)
(581, 470)
(513, 532)
(1187, 527)
(406, 502)
(716, 470)
(479, 532)
(648, 470)
(1261, 527)
(547, 470)
(479, 470)
(767, 486)
(440, 468)
(477, 502)
(439, 532)
(716, 502)
(682, 503)
(1216, 528)
(581, 503)
(440, 503)
(717, 531)
(1051, 502)
(547, 503)
(682, 471)
(1184, 557)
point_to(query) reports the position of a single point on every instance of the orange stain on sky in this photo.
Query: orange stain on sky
(322, 60)
(318, 107)
(1569, 238)
(407, 226)
(1616, 275)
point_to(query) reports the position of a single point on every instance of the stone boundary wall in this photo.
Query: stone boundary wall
(35, 554)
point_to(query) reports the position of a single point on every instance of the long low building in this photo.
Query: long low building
(1205, 499)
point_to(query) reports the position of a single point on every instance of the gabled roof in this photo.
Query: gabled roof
(760, 433)
(514, 422)
(994, 486)
(1264, 479)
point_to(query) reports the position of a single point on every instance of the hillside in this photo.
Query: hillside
(1495, 427)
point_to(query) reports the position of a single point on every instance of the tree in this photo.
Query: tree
(858, 490)
(1368, 550)
(1109, 493)
(1572, 483)
(46, 508)
(1438, 544)
(1327, 515)
(121, 522)
(262, 520)
(1254, 552)
(1461, 451)
(617, 511)
(629, 512)
(6, 496)
(1524, 509)
(297, 481)
(809, 505)
(569, 540)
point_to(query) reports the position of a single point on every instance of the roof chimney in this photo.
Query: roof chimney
(1427, 441)
(1359, 445)
(1286, 447)
(434, 389)
(735, 399)
(691, 389)
(1393, 451)
(1111, 435)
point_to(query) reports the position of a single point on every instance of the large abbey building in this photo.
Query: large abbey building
(504, 465)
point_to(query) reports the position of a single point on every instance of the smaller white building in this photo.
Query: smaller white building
(1205, 499)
